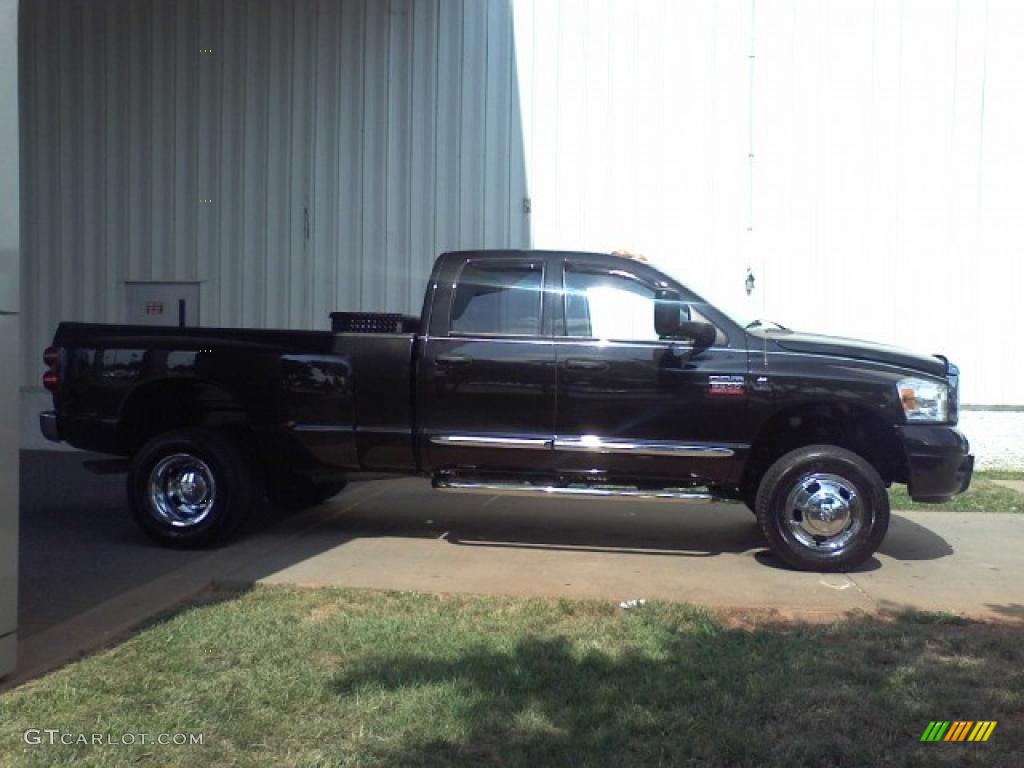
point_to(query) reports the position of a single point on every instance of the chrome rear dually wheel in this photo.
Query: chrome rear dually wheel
(182, 490)
(190, 487)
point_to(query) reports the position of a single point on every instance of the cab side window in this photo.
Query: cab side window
(607, 304)
(499, 298)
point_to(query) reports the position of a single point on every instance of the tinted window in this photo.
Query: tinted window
(498, 298)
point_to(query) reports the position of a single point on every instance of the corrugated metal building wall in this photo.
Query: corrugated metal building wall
(343, 144)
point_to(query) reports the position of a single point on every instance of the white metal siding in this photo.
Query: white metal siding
(885, 195)
(392, 127)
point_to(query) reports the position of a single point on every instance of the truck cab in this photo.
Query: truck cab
(554, 363)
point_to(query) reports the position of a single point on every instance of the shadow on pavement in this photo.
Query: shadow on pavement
(768, 559)
(79, 546)
(908, 540)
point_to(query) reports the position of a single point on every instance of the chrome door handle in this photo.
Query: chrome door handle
(577, 364)
(450, 361)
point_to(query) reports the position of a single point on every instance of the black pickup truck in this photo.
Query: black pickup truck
(529, 372)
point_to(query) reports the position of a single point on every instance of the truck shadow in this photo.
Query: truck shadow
(703, 537)
(908, 540)
(411, 509)
(79, 546)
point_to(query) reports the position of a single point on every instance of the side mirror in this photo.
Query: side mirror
(672, 321)
(668, 313)
(703, 334)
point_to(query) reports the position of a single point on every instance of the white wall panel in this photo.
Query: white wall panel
(343, 144)
(885, 194)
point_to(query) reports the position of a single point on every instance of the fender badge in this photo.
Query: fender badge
(727, 386)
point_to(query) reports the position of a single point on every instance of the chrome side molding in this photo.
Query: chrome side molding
(595, 444)
(617, 493)
(485, 441)
(588, 444)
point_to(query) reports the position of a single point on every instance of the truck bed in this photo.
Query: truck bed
(345, 399)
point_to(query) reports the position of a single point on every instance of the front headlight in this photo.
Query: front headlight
(924, 399)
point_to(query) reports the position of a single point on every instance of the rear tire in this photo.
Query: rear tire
(823, 508)
(190, 488)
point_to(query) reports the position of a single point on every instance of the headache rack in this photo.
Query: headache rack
(373, 322)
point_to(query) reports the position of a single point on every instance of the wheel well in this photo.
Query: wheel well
(170, 404)
(855, 429)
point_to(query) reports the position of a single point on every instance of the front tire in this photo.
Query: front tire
(823, 508)
(190, 488)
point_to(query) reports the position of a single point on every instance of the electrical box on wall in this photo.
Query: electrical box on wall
(161, 303)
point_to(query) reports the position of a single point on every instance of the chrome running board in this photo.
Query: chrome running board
(617, 493)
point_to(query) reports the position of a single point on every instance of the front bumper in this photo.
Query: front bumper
(939, 462)
(48, 426)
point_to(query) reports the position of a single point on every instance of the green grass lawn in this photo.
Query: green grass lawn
(280, 677)
(982, 496)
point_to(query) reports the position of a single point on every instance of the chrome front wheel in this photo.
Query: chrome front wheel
(824, 511)
(823, 508)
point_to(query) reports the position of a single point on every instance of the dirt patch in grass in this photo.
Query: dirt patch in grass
(774, 618)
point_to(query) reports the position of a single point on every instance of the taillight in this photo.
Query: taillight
(51, 356)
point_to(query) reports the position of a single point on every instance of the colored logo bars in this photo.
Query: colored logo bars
(958, 730)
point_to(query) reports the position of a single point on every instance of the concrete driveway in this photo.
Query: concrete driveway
(399, 534)
(88, 575)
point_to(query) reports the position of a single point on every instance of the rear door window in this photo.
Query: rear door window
(499, 298)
